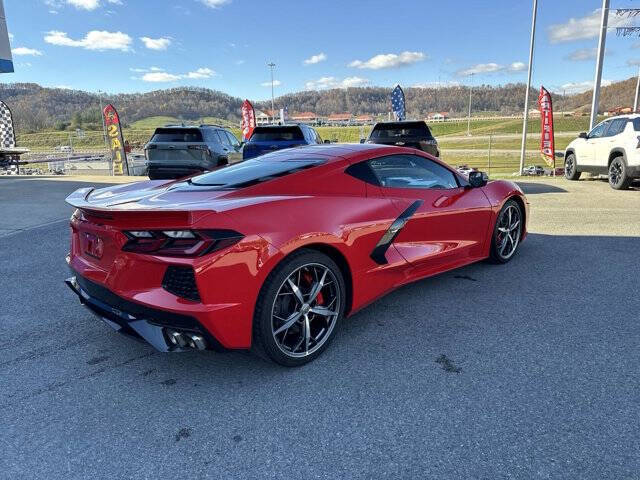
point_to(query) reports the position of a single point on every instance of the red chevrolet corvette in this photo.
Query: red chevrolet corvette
(272, 253)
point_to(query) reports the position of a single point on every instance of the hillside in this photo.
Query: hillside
(37, 108)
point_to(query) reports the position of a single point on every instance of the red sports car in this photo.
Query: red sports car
(272, 253)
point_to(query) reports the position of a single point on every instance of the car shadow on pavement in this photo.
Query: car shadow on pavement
(531, 188)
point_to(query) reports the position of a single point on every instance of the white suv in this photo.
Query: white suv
(612, 148)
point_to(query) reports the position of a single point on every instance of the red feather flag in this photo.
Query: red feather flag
(248, 120)
(547, 138)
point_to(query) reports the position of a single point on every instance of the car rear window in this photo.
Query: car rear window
(274, 134)
(177, 135)
(401, 129)
(251, 172)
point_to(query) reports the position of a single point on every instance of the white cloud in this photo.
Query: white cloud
(215, 3)
(85, 4)
(159, 75)
(313, 59)
(492, 67)
(325, 83)
(63, 87)
(583, 54)
(156, 43)
(26, 51)
(580, 87)
(276, 83)
(436, 84)
(389, 60)
(633, 63)
(582, 28)
(482, 68)
(93, 40)
(201, 73)
(239, 62)
(10, 36)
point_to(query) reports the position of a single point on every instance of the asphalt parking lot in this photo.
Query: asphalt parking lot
(527, 370)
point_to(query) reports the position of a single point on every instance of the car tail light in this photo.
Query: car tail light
(179, 243)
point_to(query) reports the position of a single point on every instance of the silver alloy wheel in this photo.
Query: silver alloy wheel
(569, 166)
(615, 172)
(509, 232)
(305, 310)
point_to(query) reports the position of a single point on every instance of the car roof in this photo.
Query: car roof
(342, 151)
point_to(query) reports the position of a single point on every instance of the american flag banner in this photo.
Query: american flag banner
(397, 103)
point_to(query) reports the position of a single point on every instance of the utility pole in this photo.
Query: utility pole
(104, 125)
(273, 108)
(635, 102)
(526, 96)
(600, 59)
(469, 117)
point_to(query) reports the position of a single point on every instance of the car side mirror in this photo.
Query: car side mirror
(583, 135)
(478, 179)
(327, 141)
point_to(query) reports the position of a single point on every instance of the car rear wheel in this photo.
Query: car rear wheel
(571, 167)
(507, 233)
(298, 309)
(618, 178)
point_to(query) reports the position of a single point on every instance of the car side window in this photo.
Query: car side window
(617, 127)
(636, 124)
(222, 138)
(210, 136)
(411, 171)
(232, 138)
(318, 138)
(598, 130)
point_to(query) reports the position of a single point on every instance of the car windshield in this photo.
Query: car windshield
(275, 134)
(253, 171)
(401, 129)
(177, 135)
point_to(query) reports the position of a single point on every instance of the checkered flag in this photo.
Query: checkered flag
(7, 135)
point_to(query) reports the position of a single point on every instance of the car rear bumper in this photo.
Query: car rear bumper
(165, 331)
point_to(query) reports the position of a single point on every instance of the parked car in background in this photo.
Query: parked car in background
(137, 164)
(414, 134)
(175, 151)
(533, 170)
(612, 148)
(277, 137)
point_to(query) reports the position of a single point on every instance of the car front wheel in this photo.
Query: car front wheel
(299, 307)
(571, 167)
(507, 233)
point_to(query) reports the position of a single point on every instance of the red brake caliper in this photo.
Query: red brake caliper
(319, 298)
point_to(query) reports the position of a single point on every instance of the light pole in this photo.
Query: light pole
(273, 109)
(469, 117)
(526, 96)
(600, 58)
(104, 125)
(635, 102)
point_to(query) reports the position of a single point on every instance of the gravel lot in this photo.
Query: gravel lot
(528, 370)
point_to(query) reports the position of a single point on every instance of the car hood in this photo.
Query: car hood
(159, 195)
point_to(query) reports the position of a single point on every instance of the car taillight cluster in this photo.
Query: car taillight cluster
(202, 148)
(179, 243)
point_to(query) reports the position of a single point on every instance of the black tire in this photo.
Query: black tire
(618, 177)
(498, 253)
(571, 167)
(271, 299)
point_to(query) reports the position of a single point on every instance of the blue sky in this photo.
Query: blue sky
(135, 45)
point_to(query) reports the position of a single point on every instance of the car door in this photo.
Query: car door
(235, 152)
(586, 153)
(609, 140)
(446, 223)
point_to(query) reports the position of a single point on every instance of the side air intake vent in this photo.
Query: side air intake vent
(181, 281)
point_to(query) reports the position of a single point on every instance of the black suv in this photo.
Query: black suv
(414, 134)
(175, 151)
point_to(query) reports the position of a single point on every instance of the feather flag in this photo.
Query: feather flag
(397, 103)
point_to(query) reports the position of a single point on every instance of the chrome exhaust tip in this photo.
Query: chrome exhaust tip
(177, 338)
(198, 341)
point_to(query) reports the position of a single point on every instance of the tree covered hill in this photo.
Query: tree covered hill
(37, 108)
